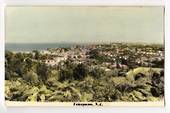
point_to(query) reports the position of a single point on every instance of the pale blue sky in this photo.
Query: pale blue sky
(84, 24)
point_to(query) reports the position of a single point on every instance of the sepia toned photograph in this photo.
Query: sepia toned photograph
(84, 55)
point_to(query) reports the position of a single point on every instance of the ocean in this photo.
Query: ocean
(16, 47)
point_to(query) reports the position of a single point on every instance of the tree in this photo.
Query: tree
(17, 64)
(8, 62)
(53, 76)
(28, 62)
(37, 54)
(66, 71)
(31, 77)
(80, 71)
(66, 74)
(94, 54)
(42, 71)
(97, 72)
(8, 56)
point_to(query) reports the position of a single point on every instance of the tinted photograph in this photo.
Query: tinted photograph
(84, 54)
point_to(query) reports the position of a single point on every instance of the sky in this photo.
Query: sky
(83, 24)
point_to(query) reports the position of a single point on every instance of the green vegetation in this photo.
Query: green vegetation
(28, 78)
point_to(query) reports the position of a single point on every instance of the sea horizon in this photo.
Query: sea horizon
(17, 47)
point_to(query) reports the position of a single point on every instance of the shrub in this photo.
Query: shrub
(80, 72)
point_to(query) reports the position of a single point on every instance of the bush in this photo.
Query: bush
(42, 71)
(31, 77)
(65, 74)
(80, 72)
(97, 72)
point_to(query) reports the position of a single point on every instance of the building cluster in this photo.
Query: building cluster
(108, 56)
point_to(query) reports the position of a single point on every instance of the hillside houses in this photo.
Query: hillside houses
(108, 55)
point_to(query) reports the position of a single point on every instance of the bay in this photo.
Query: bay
(17, 47)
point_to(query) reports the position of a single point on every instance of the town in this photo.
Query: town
(105, 72)
(108, 56)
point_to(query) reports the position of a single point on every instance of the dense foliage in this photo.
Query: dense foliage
(28, 78)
